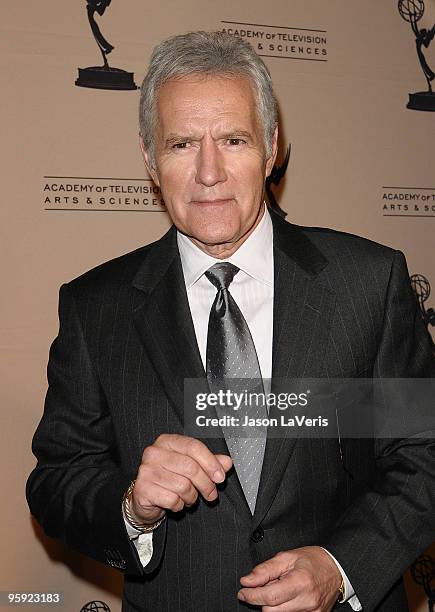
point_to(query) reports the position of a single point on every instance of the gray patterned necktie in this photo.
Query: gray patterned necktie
(231, 354)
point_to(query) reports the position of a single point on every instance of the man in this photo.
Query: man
(223, 524)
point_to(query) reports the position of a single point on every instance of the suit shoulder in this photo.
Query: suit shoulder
(336, 245)
(115, 272)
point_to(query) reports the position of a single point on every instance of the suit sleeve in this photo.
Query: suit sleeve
(75, 491)
(393, 520)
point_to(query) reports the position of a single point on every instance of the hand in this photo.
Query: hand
(173, 471)
(300, 580)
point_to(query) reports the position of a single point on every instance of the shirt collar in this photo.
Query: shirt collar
(254, 256)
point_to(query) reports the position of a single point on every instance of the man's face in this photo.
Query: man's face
(210, 160)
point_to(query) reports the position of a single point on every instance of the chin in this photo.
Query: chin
(214, 232)
(211, 239)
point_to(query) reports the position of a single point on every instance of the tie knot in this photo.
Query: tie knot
(222, 274)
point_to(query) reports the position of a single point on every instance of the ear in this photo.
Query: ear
(147, 161)
(271, 160)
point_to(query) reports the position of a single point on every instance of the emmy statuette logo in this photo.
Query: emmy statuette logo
(95, 606)
(105, 76)
(412, 11)
(274, 179)
(423, 573)
(421, 288)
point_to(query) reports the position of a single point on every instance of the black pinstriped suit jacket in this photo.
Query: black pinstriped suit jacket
(342, 308)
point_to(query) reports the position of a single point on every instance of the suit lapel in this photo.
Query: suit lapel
(163, 319)
(303, 307)
(164, 324)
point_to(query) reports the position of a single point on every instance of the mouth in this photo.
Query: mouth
(212, 201)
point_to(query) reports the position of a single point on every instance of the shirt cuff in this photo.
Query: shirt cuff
(142, 541)
(349, 593)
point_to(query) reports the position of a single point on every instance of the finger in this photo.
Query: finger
(300, 595)
(225, 461)
(267, 571)
(155, 458)
(273, 594)
(300, 603)
(196, 450)
(159, 497)
(286, 607)
(177, 483)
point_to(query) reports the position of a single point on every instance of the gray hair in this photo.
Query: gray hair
(206, 53)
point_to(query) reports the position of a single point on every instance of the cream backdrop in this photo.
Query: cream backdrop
(355, 148)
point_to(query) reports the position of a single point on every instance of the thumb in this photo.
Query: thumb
(264, 573)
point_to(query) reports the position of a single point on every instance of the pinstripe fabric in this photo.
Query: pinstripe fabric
(342, 307)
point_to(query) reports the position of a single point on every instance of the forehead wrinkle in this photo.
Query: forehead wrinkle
(184, 122)
(194, 110)
(201, 112)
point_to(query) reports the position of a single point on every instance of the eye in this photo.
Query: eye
(236, 141)
(180, 145)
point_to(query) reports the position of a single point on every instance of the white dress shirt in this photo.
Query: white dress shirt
(252, 290)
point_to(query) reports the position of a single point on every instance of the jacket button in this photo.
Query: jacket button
(257, 535)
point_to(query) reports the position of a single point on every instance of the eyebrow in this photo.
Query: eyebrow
(173, 138)
(237, 134)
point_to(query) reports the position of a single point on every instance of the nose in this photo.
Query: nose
(210, 164)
